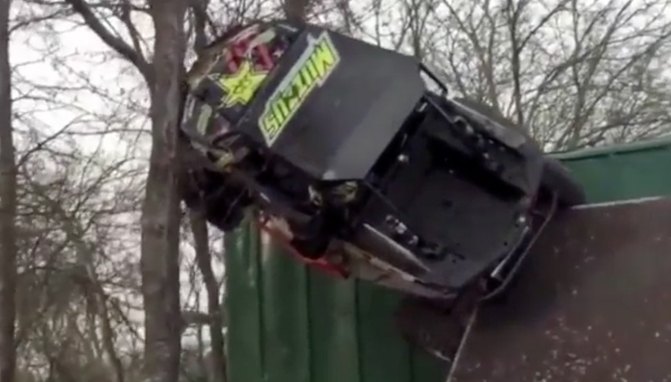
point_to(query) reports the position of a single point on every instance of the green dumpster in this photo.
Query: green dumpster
(291, 324)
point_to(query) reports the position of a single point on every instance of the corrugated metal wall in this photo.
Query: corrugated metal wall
(288, 324)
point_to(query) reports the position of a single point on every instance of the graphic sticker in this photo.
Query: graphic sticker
(239, 87)
(311, 70)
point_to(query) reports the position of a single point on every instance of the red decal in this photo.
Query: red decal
(320, 263)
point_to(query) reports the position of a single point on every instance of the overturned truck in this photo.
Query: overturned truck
(362, 163)
(589, 304)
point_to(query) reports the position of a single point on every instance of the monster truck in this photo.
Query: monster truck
(361, 163)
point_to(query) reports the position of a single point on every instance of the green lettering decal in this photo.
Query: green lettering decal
(311, 70)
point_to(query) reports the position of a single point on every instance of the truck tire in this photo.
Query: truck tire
(558, 180)
(555, 179)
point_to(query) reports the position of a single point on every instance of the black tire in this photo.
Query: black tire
(207, 193)
(491, 113)
(225, 217)
(556, 179)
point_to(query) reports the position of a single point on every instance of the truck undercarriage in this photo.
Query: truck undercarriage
(339, 149)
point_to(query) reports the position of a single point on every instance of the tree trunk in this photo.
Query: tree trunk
(160, 210)
(295, 10)
(8, 246)
(204, 261)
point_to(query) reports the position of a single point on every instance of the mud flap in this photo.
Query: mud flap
(592, 303)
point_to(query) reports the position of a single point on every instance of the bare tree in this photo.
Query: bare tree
(296, 10)
(161, 207)
(216, 323)
(70, 314)
(8, 245)
(576, 73)
(64, 236)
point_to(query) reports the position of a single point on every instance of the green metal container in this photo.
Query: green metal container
(291, 324)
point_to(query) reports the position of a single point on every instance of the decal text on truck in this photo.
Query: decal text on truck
(311, 70)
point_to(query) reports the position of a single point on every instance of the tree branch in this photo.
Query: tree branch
(8, 208)
(203, 260)
(295, 10)
(114, 42)
(200, 17)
